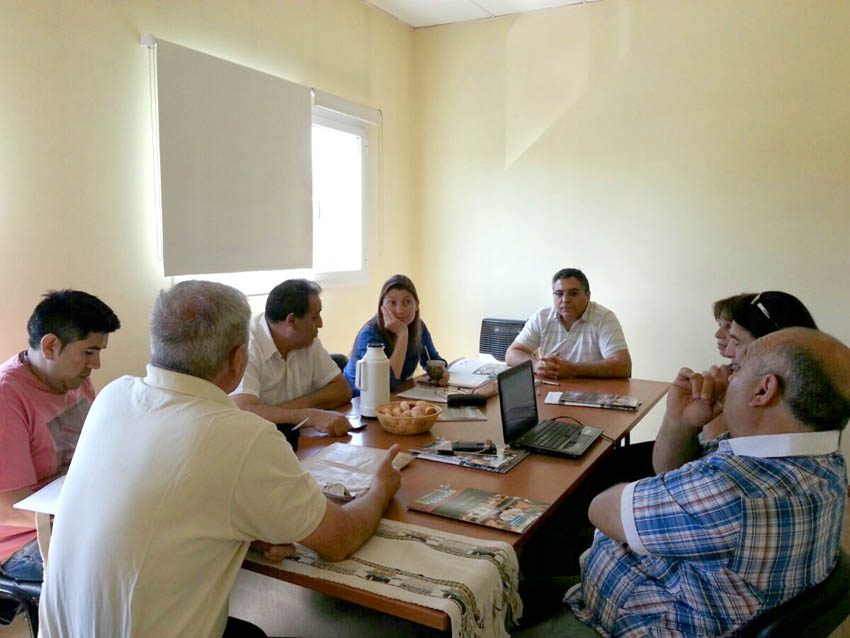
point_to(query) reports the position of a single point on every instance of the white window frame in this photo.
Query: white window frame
(355, 126)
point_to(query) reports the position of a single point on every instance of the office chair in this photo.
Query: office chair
(497, 335)
(814, 614)
(340, 360)
(22, 594)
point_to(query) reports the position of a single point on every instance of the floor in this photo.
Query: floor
(282, 609)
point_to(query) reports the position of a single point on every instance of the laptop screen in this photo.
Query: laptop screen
(518, 401)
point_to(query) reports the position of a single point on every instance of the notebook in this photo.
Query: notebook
(521, 426)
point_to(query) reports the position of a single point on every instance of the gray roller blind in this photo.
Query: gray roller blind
(234, 151)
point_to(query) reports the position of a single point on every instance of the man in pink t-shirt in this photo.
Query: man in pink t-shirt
(45, 394)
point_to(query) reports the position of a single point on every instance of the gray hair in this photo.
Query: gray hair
(196, 325)
(808, 387)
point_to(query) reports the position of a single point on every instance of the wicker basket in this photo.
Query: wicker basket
(406, 424)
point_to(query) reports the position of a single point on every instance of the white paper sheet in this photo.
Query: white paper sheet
(45, 500)
(345, 471)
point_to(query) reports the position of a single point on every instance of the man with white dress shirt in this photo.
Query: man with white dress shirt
(574, 337)
(290, 376)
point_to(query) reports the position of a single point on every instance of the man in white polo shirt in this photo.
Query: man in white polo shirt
(290, 376)
(574, 337)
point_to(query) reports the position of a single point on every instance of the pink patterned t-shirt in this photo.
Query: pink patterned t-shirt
(39, 430)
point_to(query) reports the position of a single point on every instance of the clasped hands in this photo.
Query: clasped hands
(696, 398)
(553, 367)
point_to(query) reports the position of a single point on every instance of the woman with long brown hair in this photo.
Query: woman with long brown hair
(397, 325)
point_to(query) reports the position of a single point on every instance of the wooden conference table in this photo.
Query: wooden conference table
(543, 478)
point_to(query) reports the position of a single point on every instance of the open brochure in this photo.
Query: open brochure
(471, 373)
(504, 460)
(436, 394)
(345, 471)
(507, 513)
(593, 400)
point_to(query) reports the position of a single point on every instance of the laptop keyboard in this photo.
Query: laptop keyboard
(554, 435)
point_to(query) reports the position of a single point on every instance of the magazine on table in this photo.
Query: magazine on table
(471, 373)
(506, 513)
(345, 471)
(462, 413)
(504, 460)
(593, 400)
(437, 394)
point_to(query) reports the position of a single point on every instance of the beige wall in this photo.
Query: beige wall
(76, 193)
(678, 152)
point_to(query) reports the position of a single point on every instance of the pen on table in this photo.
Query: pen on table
(544, 382)
(303, 421)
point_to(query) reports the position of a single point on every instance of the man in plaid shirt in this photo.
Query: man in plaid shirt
(729, 530)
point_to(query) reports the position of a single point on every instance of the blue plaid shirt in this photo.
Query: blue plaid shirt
(718, 541)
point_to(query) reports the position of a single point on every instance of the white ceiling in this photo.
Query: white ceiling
(427, 13)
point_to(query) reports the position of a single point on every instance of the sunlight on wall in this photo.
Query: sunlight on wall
(676, 152)
(546, 71)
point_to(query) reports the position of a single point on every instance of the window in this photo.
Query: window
(339, 158)
(340, 145)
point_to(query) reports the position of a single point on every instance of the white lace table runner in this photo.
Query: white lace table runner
(473, 581)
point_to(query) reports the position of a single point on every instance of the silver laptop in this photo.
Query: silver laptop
(521, 427)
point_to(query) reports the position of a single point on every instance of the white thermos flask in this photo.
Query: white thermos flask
(372, 378)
